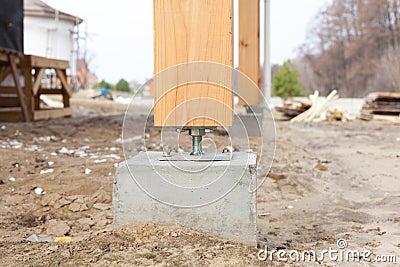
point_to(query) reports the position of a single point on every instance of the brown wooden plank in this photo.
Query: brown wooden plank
(50, 91)
(65, 86)
(249, 52)
(190, 31)
(27, 69)
(42, 62)
(52, 113)
(4, 53)
(11, 114)
(36, 102)
(8, 90)
(38, 81)
(20, 92)
(9, 100)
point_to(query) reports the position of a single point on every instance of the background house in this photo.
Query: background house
(51, 33)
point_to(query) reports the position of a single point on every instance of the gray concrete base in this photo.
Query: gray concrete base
(247, 125)
(211, 197)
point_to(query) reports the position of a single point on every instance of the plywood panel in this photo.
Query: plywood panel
(249, 51)
(192, 31)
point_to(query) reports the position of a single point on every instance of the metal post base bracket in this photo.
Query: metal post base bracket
(202, 157)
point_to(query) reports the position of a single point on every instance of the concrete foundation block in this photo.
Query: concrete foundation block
(213, 197)
(247, 125)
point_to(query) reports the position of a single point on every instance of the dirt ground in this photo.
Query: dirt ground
(329, 181)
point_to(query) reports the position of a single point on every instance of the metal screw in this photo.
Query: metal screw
(197, 136)
(196, 145)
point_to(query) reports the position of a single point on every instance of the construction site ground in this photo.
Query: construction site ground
(329, 181)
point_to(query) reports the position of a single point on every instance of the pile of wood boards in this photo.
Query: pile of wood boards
(382, 106)
(319, 107)
(293, 109)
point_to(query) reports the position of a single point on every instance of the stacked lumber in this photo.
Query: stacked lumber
(381, 105)
(318, 108)
(293, 109)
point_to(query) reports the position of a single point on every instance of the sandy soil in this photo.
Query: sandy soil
(328, 181)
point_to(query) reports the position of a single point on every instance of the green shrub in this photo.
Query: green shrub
(286, 81)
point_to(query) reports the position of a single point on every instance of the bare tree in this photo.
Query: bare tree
(349, 42)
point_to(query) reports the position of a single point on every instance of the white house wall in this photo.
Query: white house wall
(47, 37)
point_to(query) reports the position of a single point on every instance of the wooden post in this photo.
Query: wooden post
(28, 78)
(67, 93)
(192, 31)
(249, 51)
(39, 72)
(23, 99)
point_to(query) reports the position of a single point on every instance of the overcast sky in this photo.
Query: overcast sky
(121, 33)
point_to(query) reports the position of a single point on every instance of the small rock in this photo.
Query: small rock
(83, 207)
(61, 203)
(50, 163)
(101, 222)
(101, 196)
(1, 182)
(75, 207)
(50, 199)
(101, 206)
(321, 167)
(54, 139)
(35, 238)
(3, 127)
(46, 171)
(51, 249)
(174, 234)
(86, 221)
(88, 171)
(71, 198)
(38, 191)
(12, 179)
(57, 228)
(290, 207)
(39, 160)
(65, 150)
(80, 199)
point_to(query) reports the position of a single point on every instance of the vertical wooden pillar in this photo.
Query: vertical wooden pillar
(24, 99)
(62, 74)
(249, 50)
(28, 79)
(39, 72)
(192, 31)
